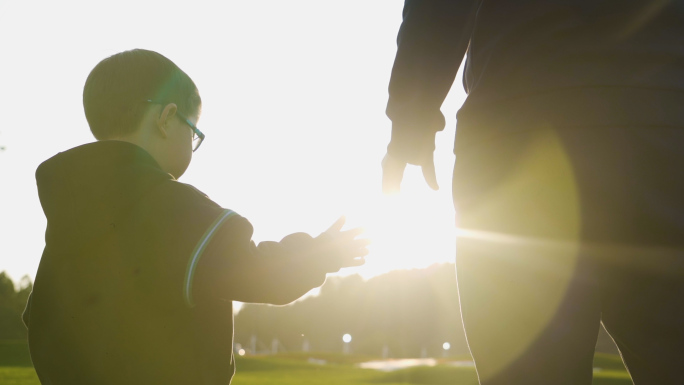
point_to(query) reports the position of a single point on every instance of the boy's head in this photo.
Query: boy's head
(140, 96)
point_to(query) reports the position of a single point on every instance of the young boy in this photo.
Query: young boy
(139, 270)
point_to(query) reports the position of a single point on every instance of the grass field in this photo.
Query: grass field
(290, 369)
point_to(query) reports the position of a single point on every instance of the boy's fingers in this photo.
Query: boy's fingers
(349, 258)
(337, 226)
(363, 242)
(357, 252)
(354, 232)
(357, 262)
(352, 247)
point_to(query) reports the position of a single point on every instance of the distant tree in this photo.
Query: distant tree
(408, 311)
(12, 303)
(7, 291)
(25, 288)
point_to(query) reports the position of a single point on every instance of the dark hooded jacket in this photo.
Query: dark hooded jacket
(138, 273)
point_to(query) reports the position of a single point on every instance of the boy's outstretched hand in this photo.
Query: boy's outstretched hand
(280, 272)
(338, 249)
(329, 252)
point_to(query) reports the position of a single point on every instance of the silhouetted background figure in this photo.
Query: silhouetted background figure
(139, 271)
(569, 176)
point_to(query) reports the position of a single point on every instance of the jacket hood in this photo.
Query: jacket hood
(86, 190)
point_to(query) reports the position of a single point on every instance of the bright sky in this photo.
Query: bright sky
(294, 96)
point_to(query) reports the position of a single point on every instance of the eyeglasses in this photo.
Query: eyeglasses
(197, 135)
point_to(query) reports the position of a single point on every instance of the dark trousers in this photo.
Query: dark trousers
(560, 230)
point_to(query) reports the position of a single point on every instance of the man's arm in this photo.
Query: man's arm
(432, 41)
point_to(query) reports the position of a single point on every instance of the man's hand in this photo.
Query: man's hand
(393, 173)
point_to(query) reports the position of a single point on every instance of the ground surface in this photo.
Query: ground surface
(16, 369)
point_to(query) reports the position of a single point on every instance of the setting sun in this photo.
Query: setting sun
(410, 230)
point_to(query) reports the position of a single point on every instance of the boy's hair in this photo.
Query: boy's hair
(116, 92)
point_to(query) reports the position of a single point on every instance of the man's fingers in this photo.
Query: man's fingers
(430, 175)
(392, 174)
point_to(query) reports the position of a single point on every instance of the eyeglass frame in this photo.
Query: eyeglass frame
(194, 128)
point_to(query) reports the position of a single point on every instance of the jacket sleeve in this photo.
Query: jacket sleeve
(432, 41)
(234, 268)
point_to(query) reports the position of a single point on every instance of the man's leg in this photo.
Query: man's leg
(644, 313)
(636, 202)
(529, 300)
(527, 324)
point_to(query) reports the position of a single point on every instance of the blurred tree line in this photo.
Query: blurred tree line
(12, 304)
(404, 313)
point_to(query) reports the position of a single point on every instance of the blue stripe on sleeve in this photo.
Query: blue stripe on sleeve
(197, 253)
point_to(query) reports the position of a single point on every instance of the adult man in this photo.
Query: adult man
(568, 181)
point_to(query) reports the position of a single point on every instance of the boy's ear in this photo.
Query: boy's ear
(165, 117)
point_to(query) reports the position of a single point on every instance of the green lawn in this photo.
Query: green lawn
(286, 369)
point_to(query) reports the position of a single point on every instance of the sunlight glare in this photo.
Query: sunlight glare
(413, 229)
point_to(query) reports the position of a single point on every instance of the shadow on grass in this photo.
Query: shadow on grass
(436, 375)
(16, 369)
(610, 371)
(15, 353)
(297, 361)
(267, 364)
